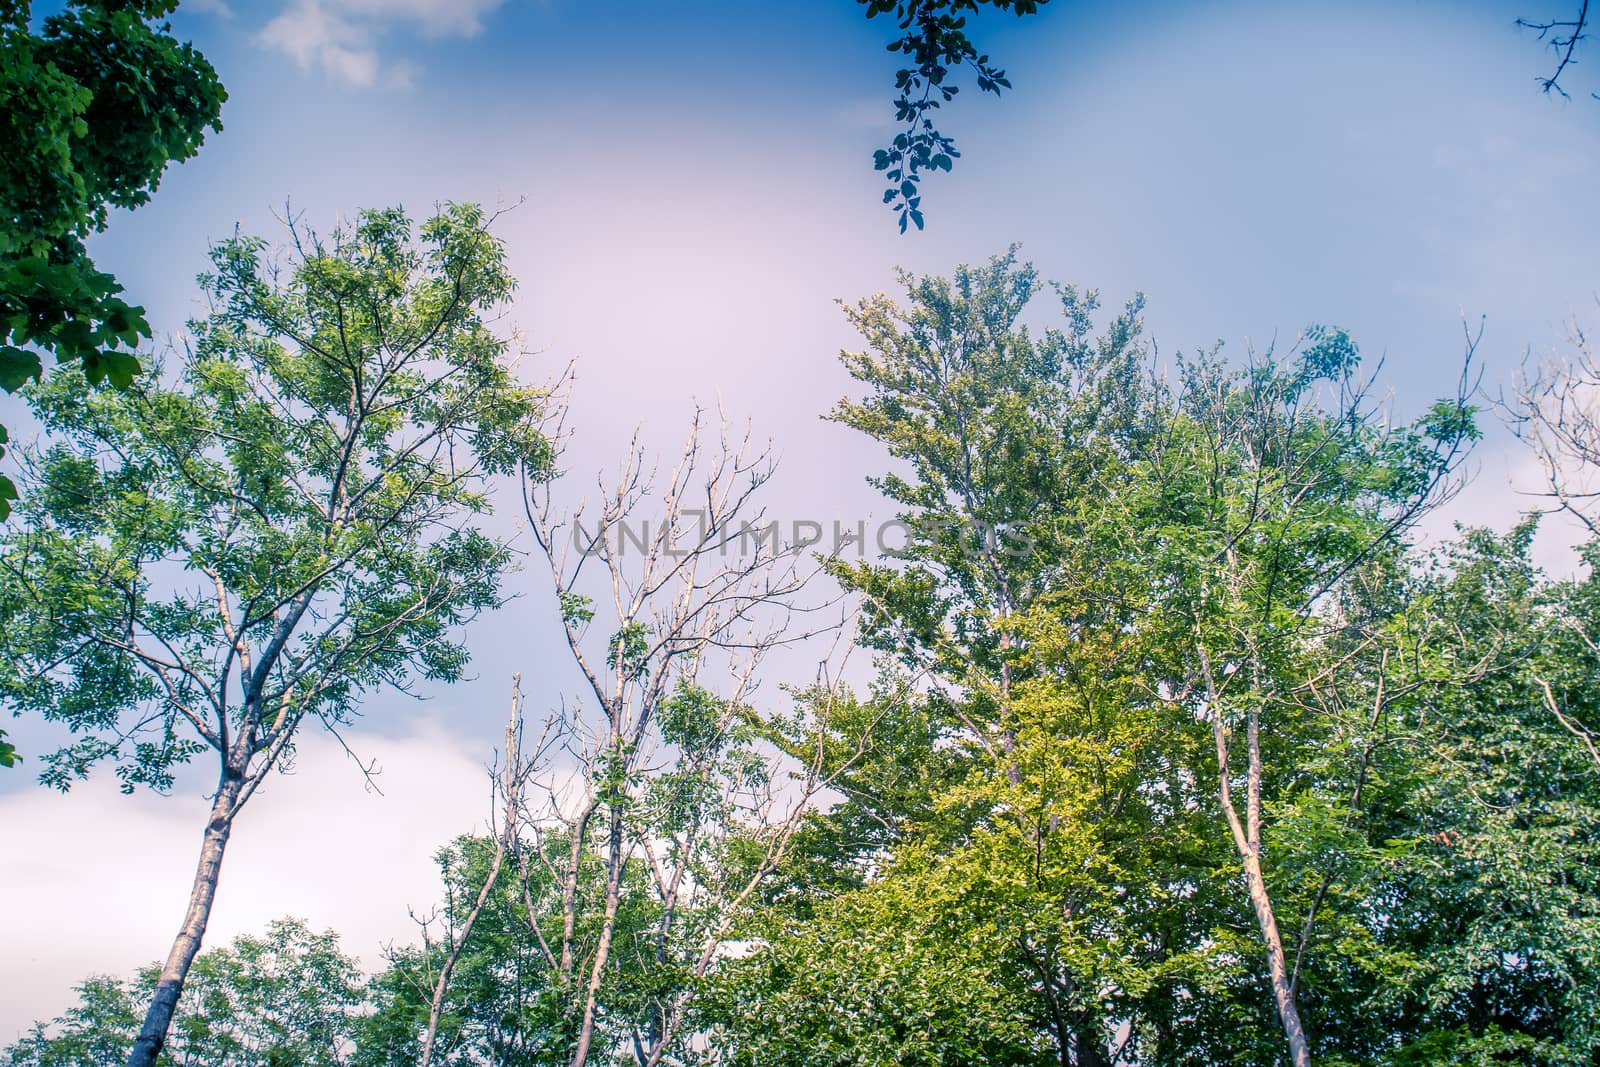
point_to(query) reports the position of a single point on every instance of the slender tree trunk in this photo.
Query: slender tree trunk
(1282, 994)
(510, 786)
(602, 952)
(153, 1034)
(1247, 838)
(1090, 1052)
(441, 988)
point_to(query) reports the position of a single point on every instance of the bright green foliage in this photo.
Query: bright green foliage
(288, 999)
(92, 109)
(1030, 863)
(282, 523)
(918, 969)
(998, 805)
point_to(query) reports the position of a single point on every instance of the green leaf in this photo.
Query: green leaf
(121, 368)
(18, 367)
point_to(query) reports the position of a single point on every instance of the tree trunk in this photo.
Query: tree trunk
(602, 952)
(509, 783)
(1247, 839)
(1282, 994)
(153, 1034)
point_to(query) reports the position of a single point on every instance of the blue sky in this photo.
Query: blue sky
(696, 190)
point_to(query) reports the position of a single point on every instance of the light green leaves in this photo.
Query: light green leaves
(280, 522)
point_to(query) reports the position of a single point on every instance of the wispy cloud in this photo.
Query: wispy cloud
(342, 37)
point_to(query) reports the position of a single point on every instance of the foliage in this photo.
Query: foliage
(99, 101)
(279, 526)
(935, 43)
(1033, 843)
(208, 560)
(1174, 738)
(289, 999)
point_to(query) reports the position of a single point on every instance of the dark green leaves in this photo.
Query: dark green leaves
(18, 368)
(98, 102)
(935, 42)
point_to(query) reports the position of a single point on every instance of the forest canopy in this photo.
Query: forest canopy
(1222, 768)
(1175, 724)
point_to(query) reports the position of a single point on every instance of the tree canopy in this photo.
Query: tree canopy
(281, 523)
(97, 102)
(1177, 747)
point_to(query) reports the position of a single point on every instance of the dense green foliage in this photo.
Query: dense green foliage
(92, 109)
(1178, 751)
(289, 999)
(1032, 865)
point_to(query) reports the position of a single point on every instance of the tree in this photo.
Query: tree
(210, 560)
(1278, 483)
(99, 1029)
(98, 102)
(502, 1002)
(678, 770)
(1089, 543)
(993, 878)
(1551, 410)
(289, 999)
(464, 907)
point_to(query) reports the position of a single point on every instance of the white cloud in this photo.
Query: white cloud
(95, 882)
(340, 37)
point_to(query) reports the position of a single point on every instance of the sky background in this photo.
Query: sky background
(694, 191)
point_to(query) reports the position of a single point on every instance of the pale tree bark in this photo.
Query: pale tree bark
(615, 864)
(213, 843)
(1556, 411)
(693, 586)
(508, 783)
(1281, 444)
(242, 772)
(1246, 835)
(725, 904)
